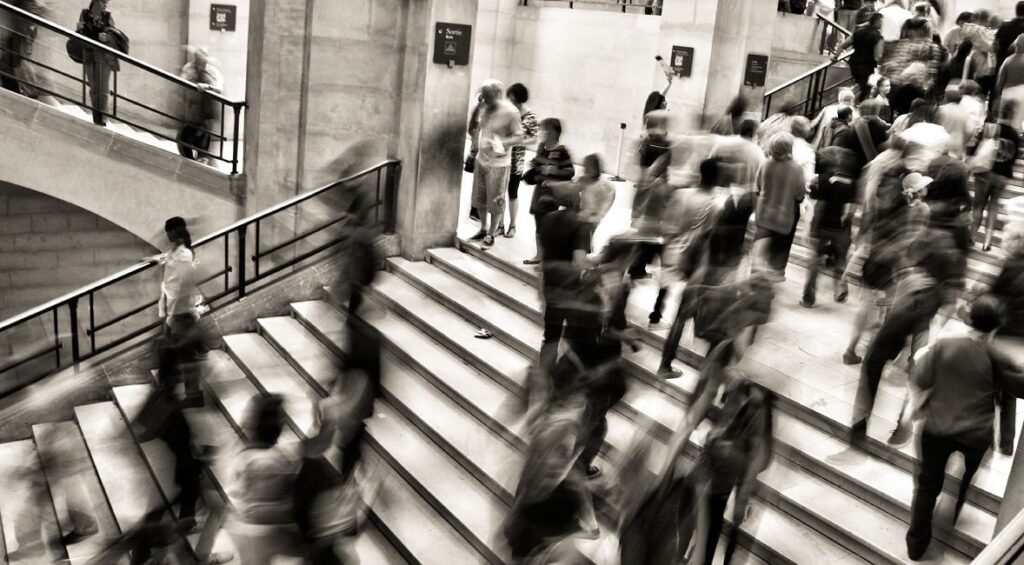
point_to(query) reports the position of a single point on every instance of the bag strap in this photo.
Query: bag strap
(864, 137)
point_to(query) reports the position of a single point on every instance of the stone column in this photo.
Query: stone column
(742, 27)
(434, 115)
(689, 23)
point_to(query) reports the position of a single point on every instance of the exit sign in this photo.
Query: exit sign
(222, 17)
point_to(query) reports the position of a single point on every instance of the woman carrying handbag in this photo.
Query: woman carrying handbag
(97, 24)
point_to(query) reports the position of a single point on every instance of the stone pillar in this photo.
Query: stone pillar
(689, 23)
(742, 27)
(434, 115)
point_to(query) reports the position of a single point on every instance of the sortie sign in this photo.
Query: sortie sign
(451, 43)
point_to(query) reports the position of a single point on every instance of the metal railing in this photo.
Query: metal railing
(246, 260)
(71, 85)
(649, 7)
(817, 92)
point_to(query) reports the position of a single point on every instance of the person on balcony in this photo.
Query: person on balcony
(97, 24)
(201, 109)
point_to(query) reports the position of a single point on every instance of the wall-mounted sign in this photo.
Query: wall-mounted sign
(451, 44)
(757, 70)
(222, 17)
(682, 60)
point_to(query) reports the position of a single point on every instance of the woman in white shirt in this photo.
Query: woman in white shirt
(179, 308)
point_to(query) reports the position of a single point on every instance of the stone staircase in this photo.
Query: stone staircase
(448, 443)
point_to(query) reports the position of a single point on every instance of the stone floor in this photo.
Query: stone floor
(801, 347)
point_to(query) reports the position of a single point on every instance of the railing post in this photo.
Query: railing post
(220, 153)
(241, 261)
(256, 254)
(234, 139)
(73, 310)
(56, 336)
(391, 197)
(115, 95)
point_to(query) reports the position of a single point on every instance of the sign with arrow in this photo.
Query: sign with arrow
(451, 43)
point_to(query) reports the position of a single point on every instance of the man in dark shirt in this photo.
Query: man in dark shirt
(962, 379)
(868, 47)
(1007, 34)
(869, 132)
(565, 244)
(835, 191)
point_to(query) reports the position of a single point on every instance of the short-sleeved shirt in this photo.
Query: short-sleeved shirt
(837, 186)
(498, 123)
(529, 123)
(864, 41)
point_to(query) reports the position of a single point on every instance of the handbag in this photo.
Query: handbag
(984, 157)
(76, 50)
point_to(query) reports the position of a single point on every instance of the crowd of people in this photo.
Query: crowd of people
(894, 184)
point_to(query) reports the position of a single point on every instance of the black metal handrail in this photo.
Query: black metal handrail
(650, 7)
(116, 94)
(386, 178)
(816, 78)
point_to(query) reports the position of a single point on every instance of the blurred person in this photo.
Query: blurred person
(17, 74)
(500, 129)
(803, 154)
(1007, 34)
(958, 68)
(963, 379)
(518, 95)
(952, 116)
(925, 139)
(868, 49)
(201, 110)
(982, 34)
(552, 162)
(869, 133)
(1010, 84)
(949, 201)
(689, 214)
(565, 242)
(824, 122)
(974, 105)
(776, 123)
(1008, 287)
(730, 122)
(921, 110)
(1004, 138)
(739, 158)
(894, 15)
(96, 23)
(880, 93)
(781, 185)
(590, 194)
(655, 140)
(262, 487)
(955, 36)
(880, 199)
(917, 300)
(912, 64)
(180, 305)
(835, 192)
(552, 504)
(655, 102)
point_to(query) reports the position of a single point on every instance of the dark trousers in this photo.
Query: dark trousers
(554, 326)
(675, 335)
(600, 399)
(193, 141)
(861, 74)
(181, 341)
(834, 243)
(935, 453)
(716, 522)
(906, 318)
(644, 257)
(97, 74)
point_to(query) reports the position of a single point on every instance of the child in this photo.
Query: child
(551, 163)
(591, 195)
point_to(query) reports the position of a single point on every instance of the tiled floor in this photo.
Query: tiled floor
(802, 346)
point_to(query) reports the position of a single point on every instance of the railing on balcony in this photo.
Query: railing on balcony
(649, 7)
(811, 91)
(141, 95)
(244, 256)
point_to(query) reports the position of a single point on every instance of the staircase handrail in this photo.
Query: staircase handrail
(832, 23)
(386, 198)
(1007, 547)
(59, 29)
(807, 74)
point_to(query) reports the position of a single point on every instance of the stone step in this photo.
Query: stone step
(780, 370)
(68, 469)
(30, 530)
(460, 409)
(271, 373)
(306, 354)
(644, 400)
(129, 486)
(209, 428)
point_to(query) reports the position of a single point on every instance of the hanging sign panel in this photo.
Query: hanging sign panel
(757, 70)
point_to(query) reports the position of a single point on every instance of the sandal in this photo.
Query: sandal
(500, 231)
(488, 240)
(511, 232)
(478, 236)
(483, 333)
